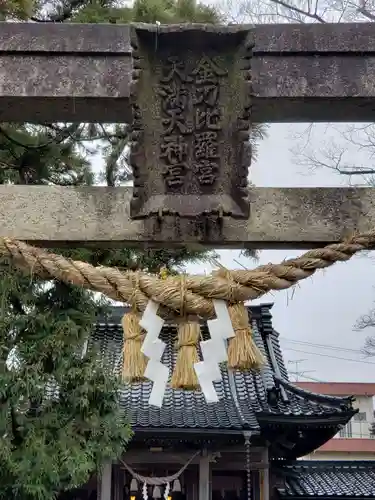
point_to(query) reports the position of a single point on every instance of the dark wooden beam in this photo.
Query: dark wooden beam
(74, 72)
(96, 216)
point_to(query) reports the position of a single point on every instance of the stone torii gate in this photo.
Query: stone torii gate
(189, 154)
(191, 93)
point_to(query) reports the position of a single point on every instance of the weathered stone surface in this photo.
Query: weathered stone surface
(316, 72)
(299, 72)
(57, 37)
(58, 72)
(315, 38)
(97, 216)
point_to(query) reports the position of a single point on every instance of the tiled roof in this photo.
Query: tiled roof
(328, 479)
(243, 395)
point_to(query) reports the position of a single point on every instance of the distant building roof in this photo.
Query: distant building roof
(339, 388)
(248, 400)
(328, 479)
(349, 445)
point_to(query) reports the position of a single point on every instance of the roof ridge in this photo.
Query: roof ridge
(233, 390)
(338, 464)
(323, 398)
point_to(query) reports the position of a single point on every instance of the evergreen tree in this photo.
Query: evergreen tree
(59, 418)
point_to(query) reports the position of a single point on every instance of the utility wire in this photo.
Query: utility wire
(329, 356)
(323, 346)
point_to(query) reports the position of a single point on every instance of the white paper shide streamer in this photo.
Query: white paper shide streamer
(153, 348)
(166, 491)
(214, 351)
(144, 492)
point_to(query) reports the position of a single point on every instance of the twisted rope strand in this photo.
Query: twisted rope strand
(139, 287)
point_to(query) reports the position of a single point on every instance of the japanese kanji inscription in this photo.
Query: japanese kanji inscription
(191, 100)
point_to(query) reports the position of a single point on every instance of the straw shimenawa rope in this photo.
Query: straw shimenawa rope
(243, 285)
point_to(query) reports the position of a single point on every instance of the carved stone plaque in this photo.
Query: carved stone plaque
(191, 97)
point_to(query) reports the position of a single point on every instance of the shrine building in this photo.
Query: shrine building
(245, 447)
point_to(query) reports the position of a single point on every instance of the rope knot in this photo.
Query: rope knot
(136, 276)
(137, 336)
(182, 294)
(185, 343)
(232, 286)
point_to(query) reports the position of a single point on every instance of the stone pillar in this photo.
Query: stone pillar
(204, 476)
(105, 482)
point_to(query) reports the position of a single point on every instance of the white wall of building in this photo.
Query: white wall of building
(356, 430)
(359, 426)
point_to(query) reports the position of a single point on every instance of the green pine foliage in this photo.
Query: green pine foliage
(59, 414)
(59, 417)
(148, 11)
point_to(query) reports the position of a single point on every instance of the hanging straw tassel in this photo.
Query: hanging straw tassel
(184, 376)
(156, 492)
(134, 361)
(243, 354)
(133, 485)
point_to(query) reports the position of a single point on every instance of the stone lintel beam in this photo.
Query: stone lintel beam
(55, 72)
(82, 72)
(297, 218)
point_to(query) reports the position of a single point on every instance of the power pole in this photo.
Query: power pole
(298, 373)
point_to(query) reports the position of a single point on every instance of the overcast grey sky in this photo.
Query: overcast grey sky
(322, 309)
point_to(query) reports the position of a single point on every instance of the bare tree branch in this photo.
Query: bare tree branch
(312, 15)
(369, 347)
(346, 150)
(362, 9)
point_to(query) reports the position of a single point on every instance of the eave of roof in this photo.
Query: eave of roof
(297, 437)
(306, 420)
(182, 437)
(327, 479)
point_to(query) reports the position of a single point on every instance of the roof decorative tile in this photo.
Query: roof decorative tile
(329, 479)
(243, 395)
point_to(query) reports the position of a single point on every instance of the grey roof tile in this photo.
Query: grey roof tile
(328, 479)
(243, 395)
(180, 408)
